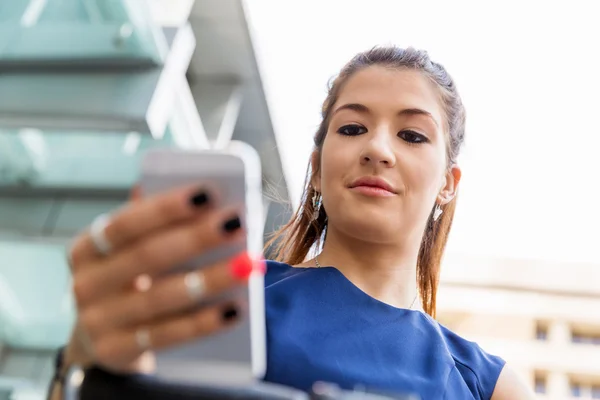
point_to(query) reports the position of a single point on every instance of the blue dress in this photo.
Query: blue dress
(321, 327)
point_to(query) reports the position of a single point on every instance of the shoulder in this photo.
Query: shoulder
(479, 369)
(278, 271)
(510, 386)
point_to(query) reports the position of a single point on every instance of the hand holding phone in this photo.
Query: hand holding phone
(233, 180)
(121, 318)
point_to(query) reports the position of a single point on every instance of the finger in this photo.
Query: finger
(169, 295)
(135, 194)
(157, 254)
(141, 217)
(122, 346)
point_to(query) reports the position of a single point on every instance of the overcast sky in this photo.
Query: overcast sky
(528, 75)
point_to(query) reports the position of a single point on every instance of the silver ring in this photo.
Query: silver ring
(98, 234)
(195, 284)
(142, 339)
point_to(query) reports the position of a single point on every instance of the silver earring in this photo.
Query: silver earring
(316, 202)
(437, 212)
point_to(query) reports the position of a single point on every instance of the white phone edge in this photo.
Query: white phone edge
(256, 283)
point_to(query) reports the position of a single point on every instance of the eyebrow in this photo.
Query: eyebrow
(361, 108)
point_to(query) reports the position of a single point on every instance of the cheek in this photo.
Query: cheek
(333, 163)
(423, 174)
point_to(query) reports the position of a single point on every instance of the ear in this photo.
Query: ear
(315, 167)
(450, 188)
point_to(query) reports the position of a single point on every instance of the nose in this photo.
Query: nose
(378, 150)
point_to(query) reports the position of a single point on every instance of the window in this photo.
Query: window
(584, 390)
(541, 332)
(596, 392)
(575, 390)
(540, 384)
(585, 338)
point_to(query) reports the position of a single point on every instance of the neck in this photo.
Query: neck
(383, 271)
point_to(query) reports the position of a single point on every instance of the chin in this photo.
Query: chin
(371, 227)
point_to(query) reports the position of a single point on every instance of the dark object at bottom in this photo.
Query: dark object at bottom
(102, 385)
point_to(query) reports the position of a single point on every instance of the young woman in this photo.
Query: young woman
(378, 205)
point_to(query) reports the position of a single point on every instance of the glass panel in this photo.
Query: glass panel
(586, 338)
(75, 159)
(575, 390)
(79, 29)
(540, 385)
(67, 161)
(575, 338)
(36, 307)
(541, 332)
(11, 10)
(25, 216)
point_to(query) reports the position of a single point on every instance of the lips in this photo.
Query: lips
(373, 182)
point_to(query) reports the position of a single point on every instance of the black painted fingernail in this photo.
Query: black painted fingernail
(230, 313)
(232, 225)
(199, 199)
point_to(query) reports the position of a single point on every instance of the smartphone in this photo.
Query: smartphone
(236, 356)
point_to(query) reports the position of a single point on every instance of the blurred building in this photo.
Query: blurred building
(86, 87)
(542, 317)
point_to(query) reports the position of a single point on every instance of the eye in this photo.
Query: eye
(412, 137)
(352, 130)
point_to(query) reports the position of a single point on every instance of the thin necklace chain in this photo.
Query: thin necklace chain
(411, 304)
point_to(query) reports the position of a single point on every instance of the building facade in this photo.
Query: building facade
(542, 317)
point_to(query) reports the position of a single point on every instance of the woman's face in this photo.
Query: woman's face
(383, 163)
